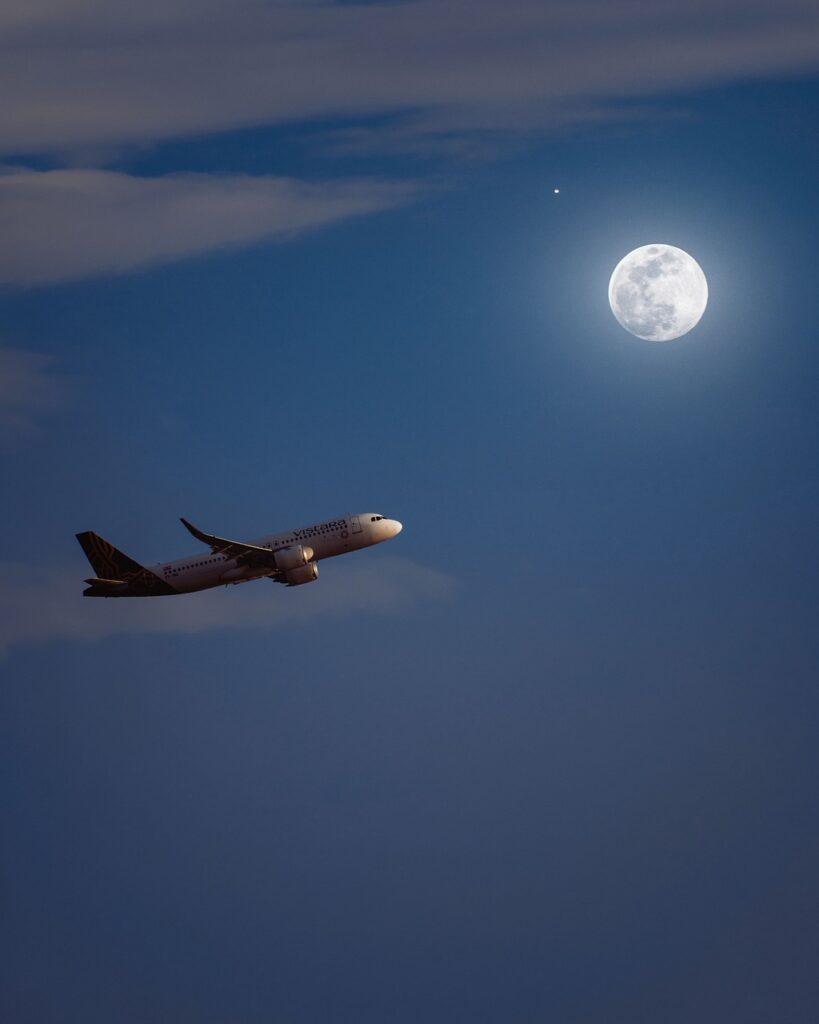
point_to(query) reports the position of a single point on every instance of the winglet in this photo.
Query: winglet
(221, 545)
(197, 533)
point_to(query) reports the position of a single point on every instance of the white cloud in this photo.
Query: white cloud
(40, 606)
(65, 224)
(28, 390)
(102, 72)
(87, 76)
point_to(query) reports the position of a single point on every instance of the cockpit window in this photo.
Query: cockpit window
(375, 519)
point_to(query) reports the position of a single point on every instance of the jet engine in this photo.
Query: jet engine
(304, 574)
(294, 557)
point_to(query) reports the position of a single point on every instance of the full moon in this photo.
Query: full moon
(658, 292)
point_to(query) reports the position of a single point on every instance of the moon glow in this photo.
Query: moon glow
(658, 292)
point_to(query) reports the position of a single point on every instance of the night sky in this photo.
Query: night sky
(551, 754)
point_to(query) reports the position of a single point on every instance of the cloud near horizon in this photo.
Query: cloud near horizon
(39, 605)
(102, 73)
(63, 225)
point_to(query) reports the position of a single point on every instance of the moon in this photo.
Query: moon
(658, 292)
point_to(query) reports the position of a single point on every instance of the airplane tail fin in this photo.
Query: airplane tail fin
(107, 561)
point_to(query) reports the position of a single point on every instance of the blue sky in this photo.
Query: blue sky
(549, 754)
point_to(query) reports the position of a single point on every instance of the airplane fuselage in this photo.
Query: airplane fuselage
(334, 537)
(290, 558)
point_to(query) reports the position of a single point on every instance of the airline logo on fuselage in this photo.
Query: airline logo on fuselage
(322, 528)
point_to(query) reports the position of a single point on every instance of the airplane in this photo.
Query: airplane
(290, 558)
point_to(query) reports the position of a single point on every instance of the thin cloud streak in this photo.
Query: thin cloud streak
(67, 224)
(39, 606)
(98, 73)
(29, 390)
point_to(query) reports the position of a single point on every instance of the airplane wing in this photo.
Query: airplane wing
(230, 548)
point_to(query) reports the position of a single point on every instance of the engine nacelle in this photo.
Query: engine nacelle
(304, 574)
(294, 557)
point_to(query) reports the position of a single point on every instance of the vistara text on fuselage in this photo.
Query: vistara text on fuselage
(290, 558)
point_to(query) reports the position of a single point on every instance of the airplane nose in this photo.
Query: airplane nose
(396, 527)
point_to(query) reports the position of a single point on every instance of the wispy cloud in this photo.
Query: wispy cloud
(65, 224)
(105, 72)
(457, 77)
(29, 389)
(38, 606)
